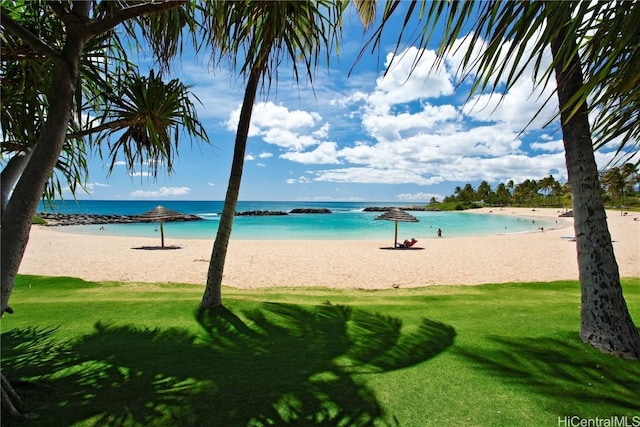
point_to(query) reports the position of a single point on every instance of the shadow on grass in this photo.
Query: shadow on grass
(278, 365)
(568, 371)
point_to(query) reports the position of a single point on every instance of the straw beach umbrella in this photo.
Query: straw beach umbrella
(397, 215)
(160, 214)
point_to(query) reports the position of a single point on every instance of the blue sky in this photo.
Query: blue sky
(362, 137)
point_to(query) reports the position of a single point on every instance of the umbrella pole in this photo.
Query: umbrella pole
(161, 234)
(395, 238)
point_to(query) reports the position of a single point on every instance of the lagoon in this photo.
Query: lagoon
(347, 221)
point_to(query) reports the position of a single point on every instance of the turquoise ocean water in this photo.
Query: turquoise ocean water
(347, 221)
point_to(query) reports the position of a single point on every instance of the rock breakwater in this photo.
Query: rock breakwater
(58, 219)
(310, 211)
(260, 213)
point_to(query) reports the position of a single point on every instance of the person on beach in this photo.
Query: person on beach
(439, 232)
(407, 243)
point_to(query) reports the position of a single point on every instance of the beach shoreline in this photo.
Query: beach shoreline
(544, 255)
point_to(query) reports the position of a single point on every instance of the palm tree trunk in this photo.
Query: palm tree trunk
(12, 172)
(18, 213)
(23, 204)
(605, 320)
(213, 291)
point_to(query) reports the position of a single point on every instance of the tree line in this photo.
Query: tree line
(620, 187)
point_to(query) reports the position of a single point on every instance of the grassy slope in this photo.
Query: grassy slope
(126, 354)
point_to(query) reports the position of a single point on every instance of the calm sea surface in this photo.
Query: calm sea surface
(347, 221)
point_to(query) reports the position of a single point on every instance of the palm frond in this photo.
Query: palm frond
(155, 111)
(259, 35)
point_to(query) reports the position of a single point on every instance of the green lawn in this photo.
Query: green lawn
(117, 354)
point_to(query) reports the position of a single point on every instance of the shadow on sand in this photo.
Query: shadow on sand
(412, 248)
(278, 364)
(155, 248)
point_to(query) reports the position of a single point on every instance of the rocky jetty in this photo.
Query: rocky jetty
(310, 211)
(58, 219)
(260, 213)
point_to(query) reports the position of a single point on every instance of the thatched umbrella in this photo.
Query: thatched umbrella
(397, 215)
(160, 214)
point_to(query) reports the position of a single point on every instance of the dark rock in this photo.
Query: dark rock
(310, 211)
(260, 213)
(58, 219)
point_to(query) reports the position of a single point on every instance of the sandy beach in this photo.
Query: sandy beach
(540, 256)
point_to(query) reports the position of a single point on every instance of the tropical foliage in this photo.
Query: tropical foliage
(620, 187)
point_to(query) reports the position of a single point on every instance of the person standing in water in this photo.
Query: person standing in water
(439, 232)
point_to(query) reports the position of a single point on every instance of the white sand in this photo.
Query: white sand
(539, 256)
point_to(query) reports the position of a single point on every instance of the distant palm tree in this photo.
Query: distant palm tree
(609, 45)
(614, 184)
(259, 37)
(629, 172)
(546, 185)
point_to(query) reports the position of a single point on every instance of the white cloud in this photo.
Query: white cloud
(265, 155)
(97, 184)
(154, 163)
(324, 153)
(389, 126)
(299, 180)
(411, 77)
(548, 146)
(293, 130)
(142, 174)
(418, 197)
(288, 139)
(518, 108)
(162, 192)
(269, 115)
(323, 132)
(371, 175)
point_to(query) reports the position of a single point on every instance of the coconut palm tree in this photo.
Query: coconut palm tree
(546, 185)
(57, 70)
(258, 37)
(605, 37)
(613, 183)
